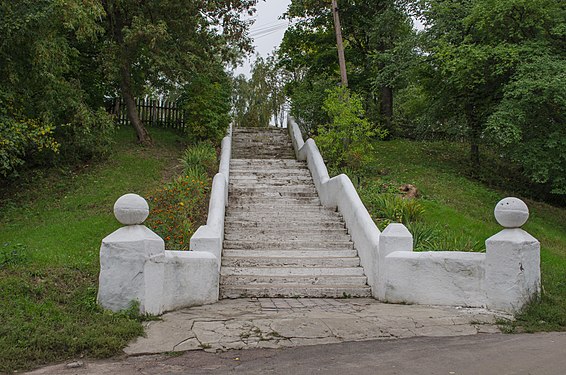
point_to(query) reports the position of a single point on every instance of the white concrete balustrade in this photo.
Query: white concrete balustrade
(136, 267)
(504, 278)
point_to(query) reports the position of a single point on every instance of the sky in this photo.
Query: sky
(267, 31)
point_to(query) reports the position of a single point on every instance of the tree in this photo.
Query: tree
(47, 53)
(260, 99)
(378, 37)
(163, 43)
(497, 67)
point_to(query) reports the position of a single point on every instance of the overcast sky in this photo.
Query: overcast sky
(267, 31)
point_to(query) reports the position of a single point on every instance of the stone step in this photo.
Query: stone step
(286, 235)
(286, 291)
(247, 179)
(307, 213)
(252, 200)
(314, 230)
(281, 173)
(316, 243)
(276, 195)
(265, 156)
(294, 280)
(289, 262)
(262, 162)
(294, 253)
(252, 188)
(292, 271)
(285, 206)
(304, 226)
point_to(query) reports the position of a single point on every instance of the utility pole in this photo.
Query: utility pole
(339, 44)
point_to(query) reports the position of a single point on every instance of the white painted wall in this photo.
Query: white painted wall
(339, 192)
(505, 278)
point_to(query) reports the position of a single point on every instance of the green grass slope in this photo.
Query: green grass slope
(50, 234)
(461, 210)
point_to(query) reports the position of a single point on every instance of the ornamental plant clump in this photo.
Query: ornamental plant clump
(178, 209)
(181, 206)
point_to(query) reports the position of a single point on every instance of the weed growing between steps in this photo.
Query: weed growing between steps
(181, 206)
(50, 234)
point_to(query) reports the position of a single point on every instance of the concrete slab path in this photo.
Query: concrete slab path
(282, 323)
(328, 336)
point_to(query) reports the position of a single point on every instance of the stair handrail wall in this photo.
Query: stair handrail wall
(339, 192)
(210, 237)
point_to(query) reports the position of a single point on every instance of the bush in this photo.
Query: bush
(346, 140)
(206, 101)
(181, 206)
(201, 157)
(20, 139)
(178, 210)
(393, 208)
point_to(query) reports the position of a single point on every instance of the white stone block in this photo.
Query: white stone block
(512, 269)
(437, 278)
(131, 209)
(191, 278)
(396, 237)
(124, 270)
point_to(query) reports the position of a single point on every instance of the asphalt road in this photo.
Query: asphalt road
(533, 354)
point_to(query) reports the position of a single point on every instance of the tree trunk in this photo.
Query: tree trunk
(475, 133)
(387, 106)
(133, 116)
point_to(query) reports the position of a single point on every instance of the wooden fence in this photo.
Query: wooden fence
(152, 112)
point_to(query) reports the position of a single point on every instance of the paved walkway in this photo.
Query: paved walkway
(283, 323)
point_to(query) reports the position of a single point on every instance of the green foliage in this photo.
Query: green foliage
(46, 57)
(379, 48)
(259, 100)
(494, 73)
(200, 157)
(345, 141)
(388, 208)
(528, 124)
(20, 138)
(180, 207)
(206, 100)
(51, 228)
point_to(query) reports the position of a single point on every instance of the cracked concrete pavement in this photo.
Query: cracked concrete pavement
(283, 323)
(330, 336)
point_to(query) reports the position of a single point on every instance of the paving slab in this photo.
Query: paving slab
(282, 323)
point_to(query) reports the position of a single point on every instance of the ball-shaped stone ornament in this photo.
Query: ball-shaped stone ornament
(511, 212)
(131, 209)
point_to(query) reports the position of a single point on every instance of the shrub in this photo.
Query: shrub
(20, 138)
(201, 157)
(178, 209)
(346, 140)
(393, 208)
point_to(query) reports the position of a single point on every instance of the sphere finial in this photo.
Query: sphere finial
(511, 212)
(131, 209)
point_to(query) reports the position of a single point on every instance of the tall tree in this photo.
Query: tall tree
(376, 36)
(162, 43)
(483, 59)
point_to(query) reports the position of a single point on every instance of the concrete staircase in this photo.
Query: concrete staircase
(279, 240)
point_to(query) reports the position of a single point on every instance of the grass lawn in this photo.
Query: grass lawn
(50, 234)
(462, 208)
